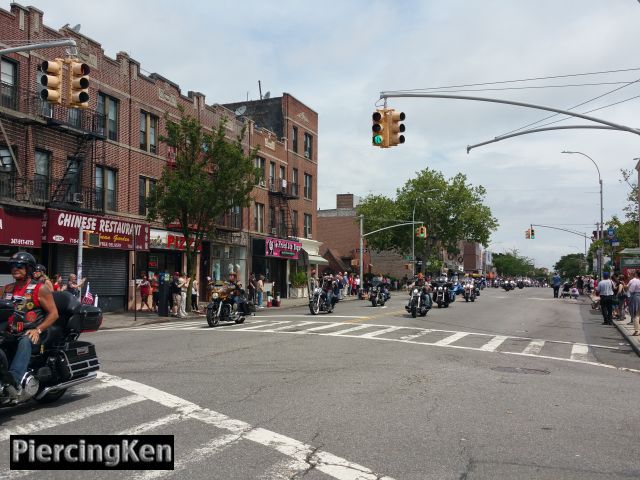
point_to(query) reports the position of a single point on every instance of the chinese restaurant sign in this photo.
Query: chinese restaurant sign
(63, 227)
(277, 247)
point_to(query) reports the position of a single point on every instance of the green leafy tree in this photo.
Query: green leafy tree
(211, 175)
(451, 209)
(571, 265)
(512, 264)
(631, 208)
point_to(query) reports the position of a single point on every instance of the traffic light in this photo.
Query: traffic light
(395, 128)
(418, 231)
(532, 233)
(78, 84)
(51, 81)
(421, 232)
(527, 233)
(91, 239)
(380, 136)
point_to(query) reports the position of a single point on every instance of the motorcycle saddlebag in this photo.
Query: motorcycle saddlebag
(77, 359)
(85, 318)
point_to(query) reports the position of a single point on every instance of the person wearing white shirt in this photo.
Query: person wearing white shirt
(605, 290)
(634, 301)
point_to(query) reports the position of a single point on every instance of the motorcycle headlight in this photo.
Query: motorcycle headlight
(415, 291)
(215, 295)
(439, 288)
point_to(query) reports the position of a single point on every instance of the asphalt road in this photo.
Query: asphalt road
(515, 385)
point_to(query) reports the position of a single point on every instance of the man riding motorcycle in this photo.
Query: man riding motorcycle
(424, 287)
(35, 312)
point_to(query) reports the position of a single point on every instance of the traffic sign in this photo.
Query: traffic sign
(611, 232)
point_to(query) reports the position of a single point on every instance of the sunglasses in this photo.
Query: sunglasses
(17, 265)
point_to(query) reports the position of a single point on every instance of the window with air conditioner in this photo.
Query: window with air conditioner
(260, 165)
(307, 225)
(308, 146)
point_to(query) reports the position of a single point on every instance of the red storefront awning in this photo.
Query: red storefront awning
(63, 227)
(20, 230)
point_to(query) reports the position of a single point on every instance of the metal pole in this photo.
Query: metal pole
(361, 253)
(35, 46)
(413, 241)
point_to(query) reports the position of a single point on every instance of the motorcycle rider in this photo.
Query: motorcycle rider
(40, 275)
(328, 286)
(35, 312)
(424, 287)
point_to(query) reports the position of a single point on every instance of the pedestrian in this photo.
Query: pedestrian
(194, 296)
(605, 291)
(555, 283)
(155, 294)
(183, 283)
(260, 290)
(58, 286)
(145, 292)
(251, 287)
(634, 302)
(580, 284)
(619, 297)
(73, 286)
(175, 294)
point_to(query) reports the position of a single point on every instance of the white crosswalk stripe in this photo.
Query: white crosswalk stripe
(451, 339)
(534, 347)
(494, 343)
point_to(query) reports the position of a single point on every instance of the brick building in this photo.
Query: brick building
(63, 169)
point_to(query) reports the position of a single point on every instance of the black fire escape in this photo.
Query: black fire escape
(280, 192)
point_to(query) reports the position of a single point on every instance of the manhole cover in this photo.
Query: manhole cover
(532, 371)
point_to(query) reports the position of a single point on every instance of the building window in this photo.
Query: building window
(258, 218)
(307, 225)
(105, 188)
(71, 179)
(260, 165)
(294, 222)
(272, 175)
(272, 221)
(294, 139)
(74, 117)
(308, 146)
(41, 176)
(282, 225)
(307, 186)
(108, 109)
(146, 187)
(294, 182)
(236, 217)
(7, 174)
(8, 84)
(148, 132)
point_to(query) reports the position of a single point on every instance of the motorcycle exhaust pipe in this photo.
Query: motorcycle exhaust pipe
(70, 383)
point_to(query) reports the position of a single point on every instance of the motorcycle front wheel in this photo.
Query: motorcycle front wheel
(374, 302)
(314, 306)
(414, 310)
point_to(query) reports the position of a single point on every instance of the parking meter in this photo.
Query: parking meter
(163, 295)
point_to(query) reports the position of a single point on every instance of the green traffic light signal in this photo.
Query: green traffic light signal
(377, 139)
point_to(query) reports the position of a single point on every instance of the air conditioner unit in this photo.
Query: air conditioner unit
(77, 198)
(262, 184)
(274, 231)
(309, 236)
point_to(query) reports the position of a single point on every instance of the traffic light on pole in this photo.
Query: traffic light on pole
(51, 81)
(78, 84)
(379, 129)
(527, 234)
(395, 128)
(418, 231)
(423, 232)
(532, 233)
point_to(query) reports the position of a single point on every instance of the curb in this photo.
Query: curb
(632, 341)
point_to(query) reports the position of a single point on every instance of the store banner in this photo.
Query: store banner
(20, 230)
(166, 240)
(63, 227)
(278, 247)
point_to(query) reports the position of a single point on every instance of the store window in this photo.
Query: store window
(226, 259)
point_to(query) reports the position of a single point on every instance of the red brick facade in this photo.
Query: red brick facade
(95, 143)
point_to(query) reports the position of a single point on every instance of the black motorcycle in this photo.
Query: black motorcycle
(62, 361)
(442, 292)
(228, 304)
(419, 302)
(378, 295)
(319, 300)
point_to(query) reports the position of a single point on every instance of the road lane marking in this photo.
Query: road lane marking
(534, 347)
(450, 339)
(290, 326)
(380, 332)
(348, 330)
(494, 343)
(579, 352)
(153, 424)
(321, 327)
(325, 462)
(74, 416)
(408, 338)
(268, 325)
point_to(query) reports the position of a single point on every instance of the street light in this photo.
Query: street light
(413, 235)
(601, 209)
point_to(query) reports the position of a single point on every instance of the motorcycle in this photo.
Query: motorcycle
(520, 284)
(476, 288)
(62, 360)
(508, 285)
(469, 292)
(223, 307)
(419, 302)
(377, 294)
(442, 293)
(319, 302)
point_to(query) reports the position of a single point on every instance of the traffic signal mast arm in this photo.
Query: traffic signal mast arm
(392, 226)
(563, 229)
(35, 46)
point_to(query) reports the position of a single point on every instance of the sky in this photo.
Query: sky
(337, 56)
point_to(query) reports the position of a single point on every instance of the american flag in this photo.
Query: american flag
(88, 297)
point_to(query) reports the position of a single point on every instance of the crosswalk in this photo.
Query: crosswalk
(208, 434)
(481, 342)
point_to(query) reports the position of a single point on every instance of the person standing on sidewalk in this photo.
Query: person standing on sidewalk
(605, 290)
(259, 290)
(145, 291)
(175, 294)
(555, 283)
(183, 284)
(634, 302)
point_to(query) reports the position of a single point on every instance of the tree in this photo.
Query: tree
(211, 175)
(452, 210)
(570, 266)
(511, 264)
(631, 208)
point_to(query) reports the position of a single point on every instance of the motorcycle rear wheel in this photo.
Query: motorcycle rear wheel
(374, 302)
(240, 320)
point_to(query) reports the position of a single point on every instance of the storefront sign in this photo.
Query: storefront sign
(278, 247)
(20, 231)
(170, 240)
(63, 227)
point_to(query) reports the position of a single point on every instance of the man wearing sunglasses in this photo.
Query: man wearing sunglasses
(35, 311)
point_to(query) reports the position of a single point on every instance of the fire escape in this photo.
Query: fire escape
(32, 125)
(280, 192)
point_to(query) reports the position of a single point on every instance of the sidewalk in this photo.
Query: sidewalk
(128, 319)
(626, 331)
